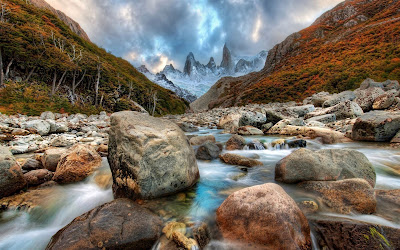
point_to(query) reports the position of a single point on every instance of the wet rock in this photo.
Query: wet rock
(279, 126)
(366, 97)
(76, 164)
(208, 151)
(254, 119)
(266, 127)
(273, 116)
(328, 118)
(236, 142)
(308, 207)
(324, 165)
(327, 136)
(234, 159)
(103, 180)
(102, 149)
(388, 204)
(264, 216)
(11, 178)
(376, 126)
(182, 241)
(37, 177)
(296, 143)
(345, 196)
(32, 164)
(249, 130)
(338, 98)
(198, 140)
(172, 227)
(396, 138)
(342, 233)
(120, 224)
(201, 234)
(279, 143)
(149, 157)
(51, 157)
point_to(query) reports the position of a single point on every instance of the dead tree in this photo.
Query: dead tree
(56, 86)
(155, 100)
(97, 84)
(1, 68)
(130, 89)
(8, 69)
(4, 12)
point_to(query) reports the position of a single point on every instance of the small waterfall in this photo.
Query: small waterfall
(258, 145)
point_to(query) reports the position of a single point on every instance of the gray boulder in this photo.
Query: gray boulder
(317, 99)
(343, 110)
(366, 97)
(11, 178)
(208, 151)
(387, 85)
(119, 224)
(377, 126)
(51, 157)
(149, 157)
(42, 127)
(47, 115)
(254, 119)
(328, 118)
(273, 116)
(324, 165)
(301, 111)
(338, 98)
(386, 100)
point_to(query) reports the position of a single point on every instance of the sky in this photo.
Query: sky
(160, 32)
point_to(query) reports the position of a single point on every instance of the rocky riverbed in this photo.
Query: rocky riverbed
(324, 173)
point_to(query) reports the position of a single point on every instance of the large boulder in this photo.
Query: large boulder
(264, 217)
(40, 126)
(317, 99)
(37, 177)
(51, 157)
(149, 157)
(377, 126)
(326, 135)
(342, 110)
(386, 100)
(47, 115)
(344, 233)
(344, 196)
(229, 121)
(387, 85)
(32, 164)
(119, 224)
(324, 165)
(236, 142)
(274, 116)
(366, 97)
(396, 138)
(198, 140)
(254, 119)
(249, 130)
(76, 164)
(300, 111)
(11, 178)
(234, 159)
(338, 98)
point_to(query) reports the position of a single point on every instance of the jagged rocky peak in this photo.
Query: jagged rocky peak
(212, 65)
(227, 62)
(143, 69)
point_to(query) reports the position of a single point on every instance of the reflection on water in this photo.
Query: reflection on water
(32, 230)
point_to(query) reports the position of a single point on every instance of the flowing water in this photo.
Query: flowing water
(33, 229)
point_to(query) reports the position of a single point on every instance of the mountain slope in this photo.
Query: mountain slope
(355, 40)
(56, 67)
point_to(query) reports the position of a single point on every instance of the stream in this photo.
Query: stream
(32, 229)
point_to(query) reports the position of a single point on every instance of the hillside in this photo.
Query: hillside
(355, 40)
(46, 65)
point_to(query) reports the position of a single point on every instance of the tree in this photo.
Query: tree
(4, 12)
(1, 68)
(97, 81)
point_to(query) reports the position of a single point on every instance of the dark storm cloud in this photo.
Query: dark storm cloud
(159, 32)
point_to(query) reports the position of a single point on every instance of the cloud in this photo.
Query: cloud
(157, 32)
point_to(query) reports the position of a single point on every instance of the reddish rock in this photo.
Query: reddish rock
(239, 160)
(37, 177)
(236, 142)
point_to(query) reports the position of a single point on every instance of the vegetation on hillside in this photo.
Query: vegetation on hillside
(62, 70)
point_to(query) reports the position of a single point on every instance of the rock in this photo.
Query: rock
(344, 196)
(51, 157)
(385, 101)
(297, 122)
(338, 98)
(264, 216)
(278, 127)
(366, 97)
(149, 157)
(172, 227)
(317, 99)
(343, 110)
(37, 177)
(236, 142)
(182, 241)
(343, 233)
(254, 119)
(301, 111)
(249, 130)
(387, 85)
(19, 131)
(61, 141)
(296, 143)
(324, 165)
(388, 204)
(102, 149)
(273, 116)
(76, 164)
(308, 207)
(40, 126)
(266, 127)
(47, 115)
(120, 224)
(396, 138)
(229, 121)
(32, 164)
(279, 142)
(103, 180)
(326, 135)
(315, 124)
(188, 127)
(377, 126)
(11, 178)
(198, 140)
(201, 234)
(234, 159)
(328, 118)
(208, 151)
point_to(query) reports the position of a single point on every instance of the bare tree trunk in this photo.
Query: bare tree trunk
(155, 99)
(1, 69)
(8, 68)
(53, 86)
(101, 99)
(130, 90)
(59, 82)
(73, 82)
(30, 74)
(97, 83)
(74, 86)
